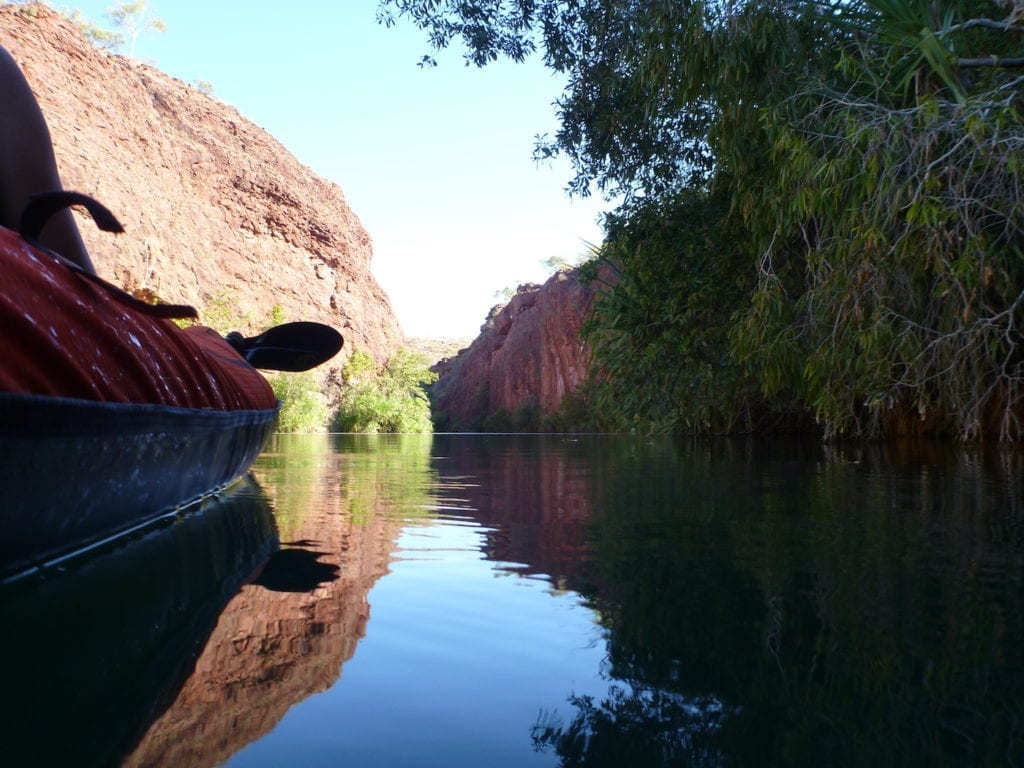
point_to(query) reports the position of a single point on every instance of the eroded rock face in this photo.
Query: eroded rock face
(217, 213)
(528, 357)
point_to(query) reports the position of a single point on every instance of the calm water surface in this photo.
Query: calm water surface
(542, 601)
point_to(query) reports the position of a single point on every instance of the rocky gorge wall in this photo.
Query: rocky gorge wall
(217, 213)
(528, 357)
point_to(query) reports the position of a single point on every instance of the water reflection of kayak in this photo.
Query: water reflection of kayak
(97, 650)
(110, 414)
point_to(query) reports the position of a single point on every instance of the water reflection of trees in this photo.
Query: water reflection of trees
(780, 604)
(640, 728)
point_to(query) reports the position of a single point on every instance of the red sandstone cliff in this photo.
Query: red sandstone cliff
(527, 358)
(217, 213)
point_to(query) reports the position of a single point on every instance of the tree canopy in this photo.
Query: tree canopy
(133, 19)
(821, 202)
(391, 400)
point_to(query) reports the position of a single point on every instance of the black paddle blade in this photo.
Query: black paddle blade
(289, 347)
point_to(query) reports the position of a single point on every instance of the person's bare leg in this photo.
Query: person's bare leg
(27, 164)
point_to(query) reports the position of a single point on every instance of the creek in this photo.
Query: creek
(543, 600)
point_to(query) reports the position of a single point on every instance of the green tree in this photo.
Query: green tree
(867, 154)
(104, 39)
(678, 269)
(134, 19)
(394, 400)
(504, 295)
(890, 276)
(304, 406)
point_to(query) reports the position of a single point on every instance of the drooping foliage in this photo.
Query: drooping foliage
(656, 332)
(854, 169)
(888, 242)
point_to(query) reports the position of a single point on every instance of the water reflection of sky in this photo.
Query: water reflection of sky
(403, 601)
(458, 659)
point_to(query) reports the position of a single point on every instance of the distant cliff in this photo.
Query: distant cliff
(528, 357)
(217, 213)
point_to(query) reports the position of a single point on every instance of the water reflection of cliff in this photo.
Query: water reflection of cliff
(533, 493)
(287, 633)
(773, 603)
(97, 648)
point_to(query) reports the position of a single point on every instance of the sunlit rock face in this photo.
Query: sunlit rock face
(216, 212)
(529, 355)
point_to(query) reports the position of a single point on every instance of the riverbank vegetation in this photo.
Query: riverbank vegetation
(368, 398)
(821, 218)
(391, 400)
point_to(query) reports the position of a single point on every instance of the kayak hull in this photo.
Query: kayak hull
(77, 472)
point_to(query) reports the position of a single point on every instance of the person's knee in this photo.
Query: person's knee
(27, 162)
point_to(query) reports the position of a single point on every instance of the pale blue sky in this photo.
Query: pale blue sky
(436, 163)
